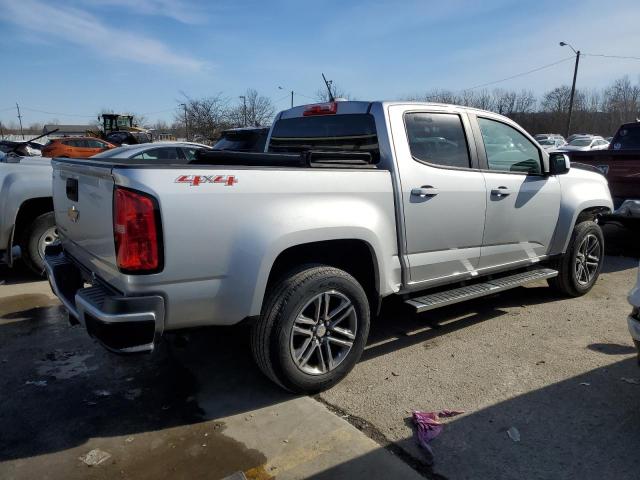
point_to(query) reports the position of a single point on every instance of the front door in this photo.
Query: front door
(523, 203)
(443, 194)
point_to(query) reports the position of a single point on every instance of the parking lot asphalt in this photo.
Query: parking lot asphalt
(561, 372)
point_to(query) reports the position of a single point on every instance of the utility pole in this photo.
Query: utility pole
(186, 126)
(328, 84)
(20, 120)
(280, 88)
(573, 86)
(244, 108)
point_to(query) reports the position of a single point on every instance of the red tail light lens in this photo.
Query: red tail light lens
(330, 108)
(136, 231)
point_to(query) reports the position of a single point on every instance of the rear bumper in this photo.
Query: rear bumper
(122, 324)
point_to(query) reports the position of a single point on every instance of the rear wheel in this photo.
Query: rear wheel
(41, 233)
(580, 266)
(313, 329)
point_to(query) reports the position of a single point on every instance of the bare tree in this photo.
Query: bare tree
(206, 117)
(525, 102)
(322, 94)
(259, 110)
(622, 100)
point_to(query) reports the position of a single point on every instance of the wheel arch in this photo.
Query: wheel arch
(568, 220)
(28, 211)
(355, 256)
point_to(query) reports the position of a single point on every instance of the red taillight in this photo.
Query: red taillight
(330, 108)
(136, 231)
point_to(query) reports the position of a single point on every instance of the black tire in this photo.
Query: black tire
(567, 281)
(31, 245)
(272, 335)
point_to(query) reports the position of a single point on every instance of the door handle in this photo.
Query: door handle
(501, 191)
(425, 191)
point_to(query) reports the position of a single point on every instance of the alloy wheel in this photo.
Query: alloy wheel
(323, 332)
(588, 259)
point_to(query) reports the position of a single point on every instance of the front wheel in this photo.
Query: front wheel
(579, 267)
(313, 329)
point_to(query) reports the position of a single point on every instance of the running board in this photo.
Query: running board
(456, 295)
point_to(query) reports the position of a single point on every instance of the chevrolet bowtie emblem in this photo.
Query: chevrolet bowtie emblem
(73, 214)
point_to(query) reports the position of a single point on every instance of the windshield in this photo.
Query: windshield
(546, 142)
(580, 142)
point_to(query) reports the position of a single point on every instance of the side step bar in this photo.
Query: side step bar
(456, 295)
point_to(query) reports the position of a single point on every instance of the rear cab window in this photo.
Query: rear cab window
(627, 138)
(341, 132)
(437, 139)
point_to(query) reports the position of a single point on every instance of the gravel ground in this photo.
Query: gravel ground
(551, 367)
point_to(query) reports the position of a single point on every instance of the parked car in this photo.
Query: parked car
(305, 241)
(573, 136)
(156, 153)
(620, 164)
(549, 136)
(249, 139)
(550, 144)
(634, 319)
(75, 147)
(583, 144)
(27, 223)
(24, 149)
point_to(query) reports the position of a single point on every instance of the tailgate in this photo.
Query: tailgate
(83, 204)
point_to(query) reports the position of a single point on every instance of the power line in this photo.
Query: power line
(520, 74)
(58, 113)
(610, 56)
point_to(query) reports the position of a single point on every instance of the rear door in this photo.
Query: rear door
(523, 203)
(443, 192)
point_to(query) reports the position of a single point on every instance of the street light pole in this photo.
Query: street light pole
(244, 108)
(573, 86)
(20, 119)
(186, 126)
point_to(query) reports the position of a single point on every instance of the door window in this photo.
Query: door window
(437, 138)
(507, 149)
(190, 153)
(167, 153)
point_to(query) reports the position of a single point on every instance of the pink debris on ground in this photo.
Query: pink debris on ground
(429, 427)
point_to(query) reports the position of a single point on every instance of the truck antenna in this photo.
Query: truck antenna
(328, 84)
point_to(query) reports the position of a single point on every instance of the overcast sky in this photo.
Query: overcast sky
(78, 57)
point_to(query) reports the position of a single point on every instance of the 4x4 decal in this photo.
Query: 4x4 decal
(195, 180)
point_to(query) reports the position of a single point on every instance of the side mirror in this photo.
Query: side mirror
(559, 163)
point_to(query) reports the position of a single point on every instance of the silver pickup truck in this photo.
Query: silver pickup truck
(350, 203)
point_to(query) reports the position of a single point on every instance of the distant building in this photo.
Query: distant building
(164, 137)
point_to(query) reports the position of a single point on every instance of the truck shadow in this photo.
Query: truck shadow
(583, 427)
(17, 275)
(621, 241)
